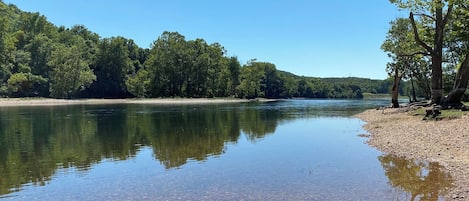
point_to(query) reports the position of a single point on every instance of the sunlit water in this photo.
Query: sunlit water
(288, 150)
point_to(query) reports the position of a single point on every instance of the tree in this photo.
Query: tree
(218, 72)
(400, 48)
(138, 84)
(22, 84)
(459, 46)
(271, 84)
(432, 15)
(71, 71)
(235, 70)
(7, 48)
(166, 63)
(40, 49)
(251, 78)
(112, 67)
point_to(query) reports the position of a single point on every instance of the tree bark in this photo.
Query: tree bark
(437, 58)
(437, 79)
(460, 85)
(395, 90)
(414, 96)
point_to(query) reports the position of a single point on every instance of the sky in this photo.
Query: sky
(318, 38)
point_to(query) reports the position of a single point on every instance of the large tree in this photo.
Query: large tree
(166, 63)
(435, 28)
(432, 15)
(112, 67)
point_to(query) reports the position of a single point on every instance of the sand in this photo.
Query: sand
(5, 102)
(445, 141)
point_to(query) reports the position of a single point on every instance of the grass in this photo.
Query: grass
(445, 114)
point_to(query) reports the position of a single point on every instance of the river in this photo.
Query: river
(285, 150)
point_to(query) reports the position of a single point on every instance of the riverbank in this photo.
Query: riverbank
(445, 141)
(5, 102)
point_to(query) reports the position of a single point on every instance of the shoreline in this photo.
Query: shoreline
(14, 102)
(445, 142)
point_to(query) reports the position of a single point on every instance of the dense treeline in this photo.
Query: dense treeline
(39, 59)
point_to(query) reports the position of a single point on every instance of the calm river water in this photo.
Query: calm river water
(287, 150)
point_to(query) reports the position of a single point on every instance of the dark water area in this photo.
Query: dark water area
(286, 150)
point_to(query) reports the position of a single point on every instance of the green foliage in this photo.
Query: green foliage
(21, 84)
(113, 65)
(38, 58)
(70, 72)
(439, 32)
(251, 77)
(138, 84)
(193, 68)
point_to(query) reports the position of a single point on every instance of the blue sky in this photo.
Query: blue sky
(319, 38)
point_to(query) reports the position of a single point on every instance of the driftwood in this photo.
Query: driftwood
(434, 112)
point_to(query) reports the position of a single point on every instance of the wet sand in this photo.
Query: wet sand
(445, 141)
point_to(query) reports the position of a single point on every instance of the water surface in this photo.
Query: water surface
(288, 150)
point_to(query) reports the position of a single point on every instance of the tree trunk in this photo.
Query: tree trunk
(437, 79)
(414, 97)
(437, 57)
(460, 84)
(395, 90)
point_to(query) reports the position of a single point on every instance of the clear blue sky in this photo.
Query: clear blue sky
(320, 38)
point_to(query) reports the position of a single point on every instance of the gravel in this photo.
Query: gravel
(445, 141)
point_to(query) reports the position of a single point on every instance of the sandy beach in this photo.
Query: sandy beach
(445, 141)
(5, 102)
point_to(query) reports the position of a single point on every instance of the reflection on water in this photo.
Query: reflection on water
(37, 142)
(422, 180)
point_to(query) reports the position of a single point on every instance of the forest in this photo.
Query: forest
(39, 59)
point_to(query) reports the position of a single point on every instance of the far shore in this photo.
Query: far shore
(6, 102)
(446, 142)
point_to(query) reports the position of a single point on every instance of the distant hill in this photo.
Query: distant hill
(367, 85)
(349, 87)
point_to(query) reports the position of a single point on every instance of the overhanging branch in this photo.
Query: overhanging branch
(414, 54)
(425, 15)
(417, 37)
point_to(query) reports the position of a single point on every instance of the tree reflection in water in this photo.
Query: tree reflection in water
(36, 141)
(424, 181)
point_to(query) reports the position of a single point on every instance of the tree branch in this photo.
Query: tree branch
(448, 15)
(426, 15)
(414, 54)
(417, 37)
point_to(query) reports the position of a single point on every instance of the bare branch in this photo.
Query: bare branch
(417, 37)
(414, 54)
(425, 15)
